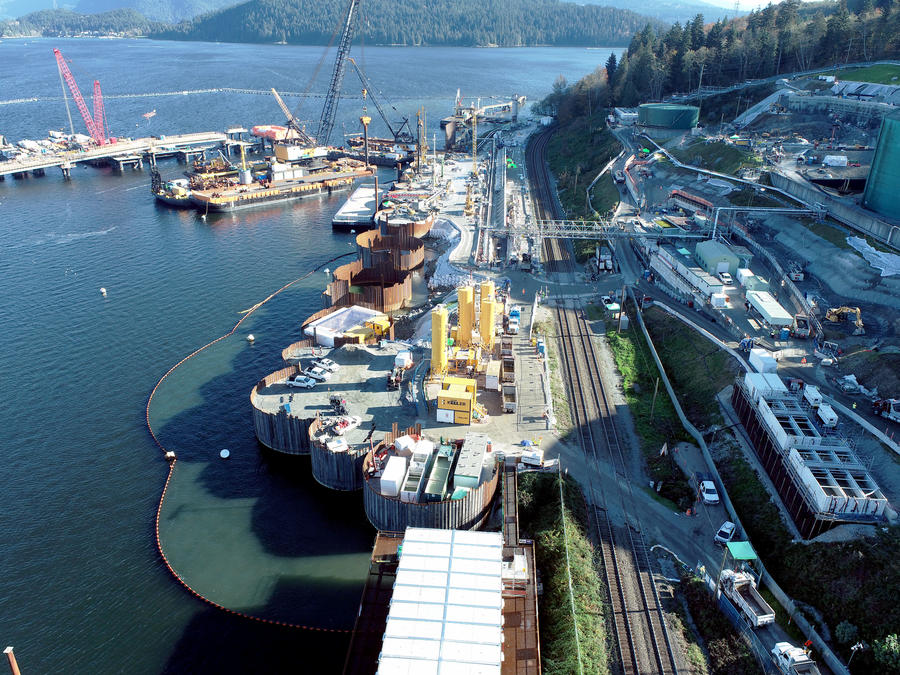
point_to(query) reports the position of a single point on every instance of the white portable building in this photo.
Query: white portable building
(769, 309)
(403, 359)
(827, 415)
(393, 475)
(812, 395)
(835, 160)
(404, 445)
(762, 361)
(719, 299)
(742, 274)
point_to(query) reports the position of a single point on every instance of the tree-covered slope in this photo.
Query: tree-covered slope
(507, 23)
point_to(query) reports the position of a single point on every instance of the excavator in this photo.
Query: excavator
(836, 314)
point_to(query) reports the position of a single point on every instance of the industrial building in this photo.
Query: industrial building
(883, 184)
(676, 266)
(679, 199)
(668, 116)
(716, 257)
(815, 470)
(446, 607)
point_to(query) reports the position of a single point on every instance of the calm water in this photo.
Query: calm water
(82, 588)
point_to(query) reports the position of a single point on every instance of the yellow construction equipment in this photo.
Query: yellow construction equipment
(439, 341)
(836, 314)
(469, 208)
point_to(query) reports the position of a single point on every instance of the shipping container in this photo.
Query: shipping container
(393, 475)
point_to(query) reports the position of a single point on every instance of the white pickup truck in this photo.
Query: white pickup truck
(792, 660)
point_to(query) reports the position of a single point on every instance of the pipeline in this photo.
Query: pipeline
(174, 461)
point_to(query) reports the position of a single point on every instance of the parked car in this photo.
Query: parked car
(513, 326)
(620, 176)
(302, 381)
(708, 492)
(316, 373)
(611, 305)
(326, 364)
(726, 278)
(725, 533)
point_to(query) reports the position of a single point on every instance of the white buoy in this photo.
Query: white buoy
(352, 231)
(250, 338)
(103, 292)
(327, 271)
(225, 454)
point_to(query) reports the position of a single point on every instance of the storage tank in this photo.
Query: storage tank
(668, 115)
(883, 183)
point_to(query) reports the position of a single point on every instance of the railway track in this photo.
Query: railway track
(642, 643)
(641, 637)
(556, 253)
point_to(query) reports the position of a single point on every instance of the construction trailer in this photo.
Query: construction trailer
(768, 309)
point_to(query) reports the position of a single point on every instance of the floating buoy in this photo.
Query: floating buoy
(170, 456)
(250, 338)
(103, 292)
(327, 271)
(225, 454)
(352, 231)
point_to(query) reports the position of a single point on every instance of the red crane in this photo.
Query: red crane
(95, 130)
(100, 114)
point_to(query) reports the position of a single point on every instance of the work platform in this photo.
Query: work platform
(358, 211)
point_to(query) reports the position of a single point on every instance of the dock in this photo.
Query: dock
(121, 153)
(358, 212)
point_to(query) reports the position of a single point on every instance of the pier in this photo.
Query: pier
(122, 153)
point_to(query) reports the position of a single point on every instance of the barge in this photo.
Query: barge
(281, 183)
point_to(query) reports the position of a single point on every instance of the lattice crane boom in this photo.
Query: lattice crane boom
(399, 135)
(99, 114)
(292, 121)
(93, 131)
(326, 123)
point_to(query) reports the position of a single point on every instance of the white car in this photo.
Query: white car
(708, 492)
(318, 374)
(610, 304)
(302, 381)
(326, 364)
(513, 327)
(726, 278)
(725, 533)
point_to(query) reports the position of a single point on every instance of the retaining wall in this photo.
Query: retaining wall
(854, 217)
(335, 470)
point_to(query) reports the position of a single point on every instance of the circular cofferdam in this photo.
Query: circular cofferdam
(668, 115)
(337, 470)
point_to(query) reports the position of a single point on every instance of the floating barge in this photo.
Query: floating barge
(358, 212)
(269, 192)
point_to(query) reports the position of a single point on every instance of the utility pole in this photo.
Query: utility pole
(621, 310)
(653, 405)
(700, 90)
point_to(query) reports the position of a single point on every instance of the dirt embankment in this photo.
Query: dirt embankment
(875, 369)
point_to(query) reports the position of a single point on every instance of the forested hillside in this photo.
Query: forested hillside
(64, 22)
(788, 37)
(158, 10)
(508, 23)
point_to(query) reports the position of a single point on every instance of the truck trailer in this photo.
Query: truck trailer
(740, 588)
